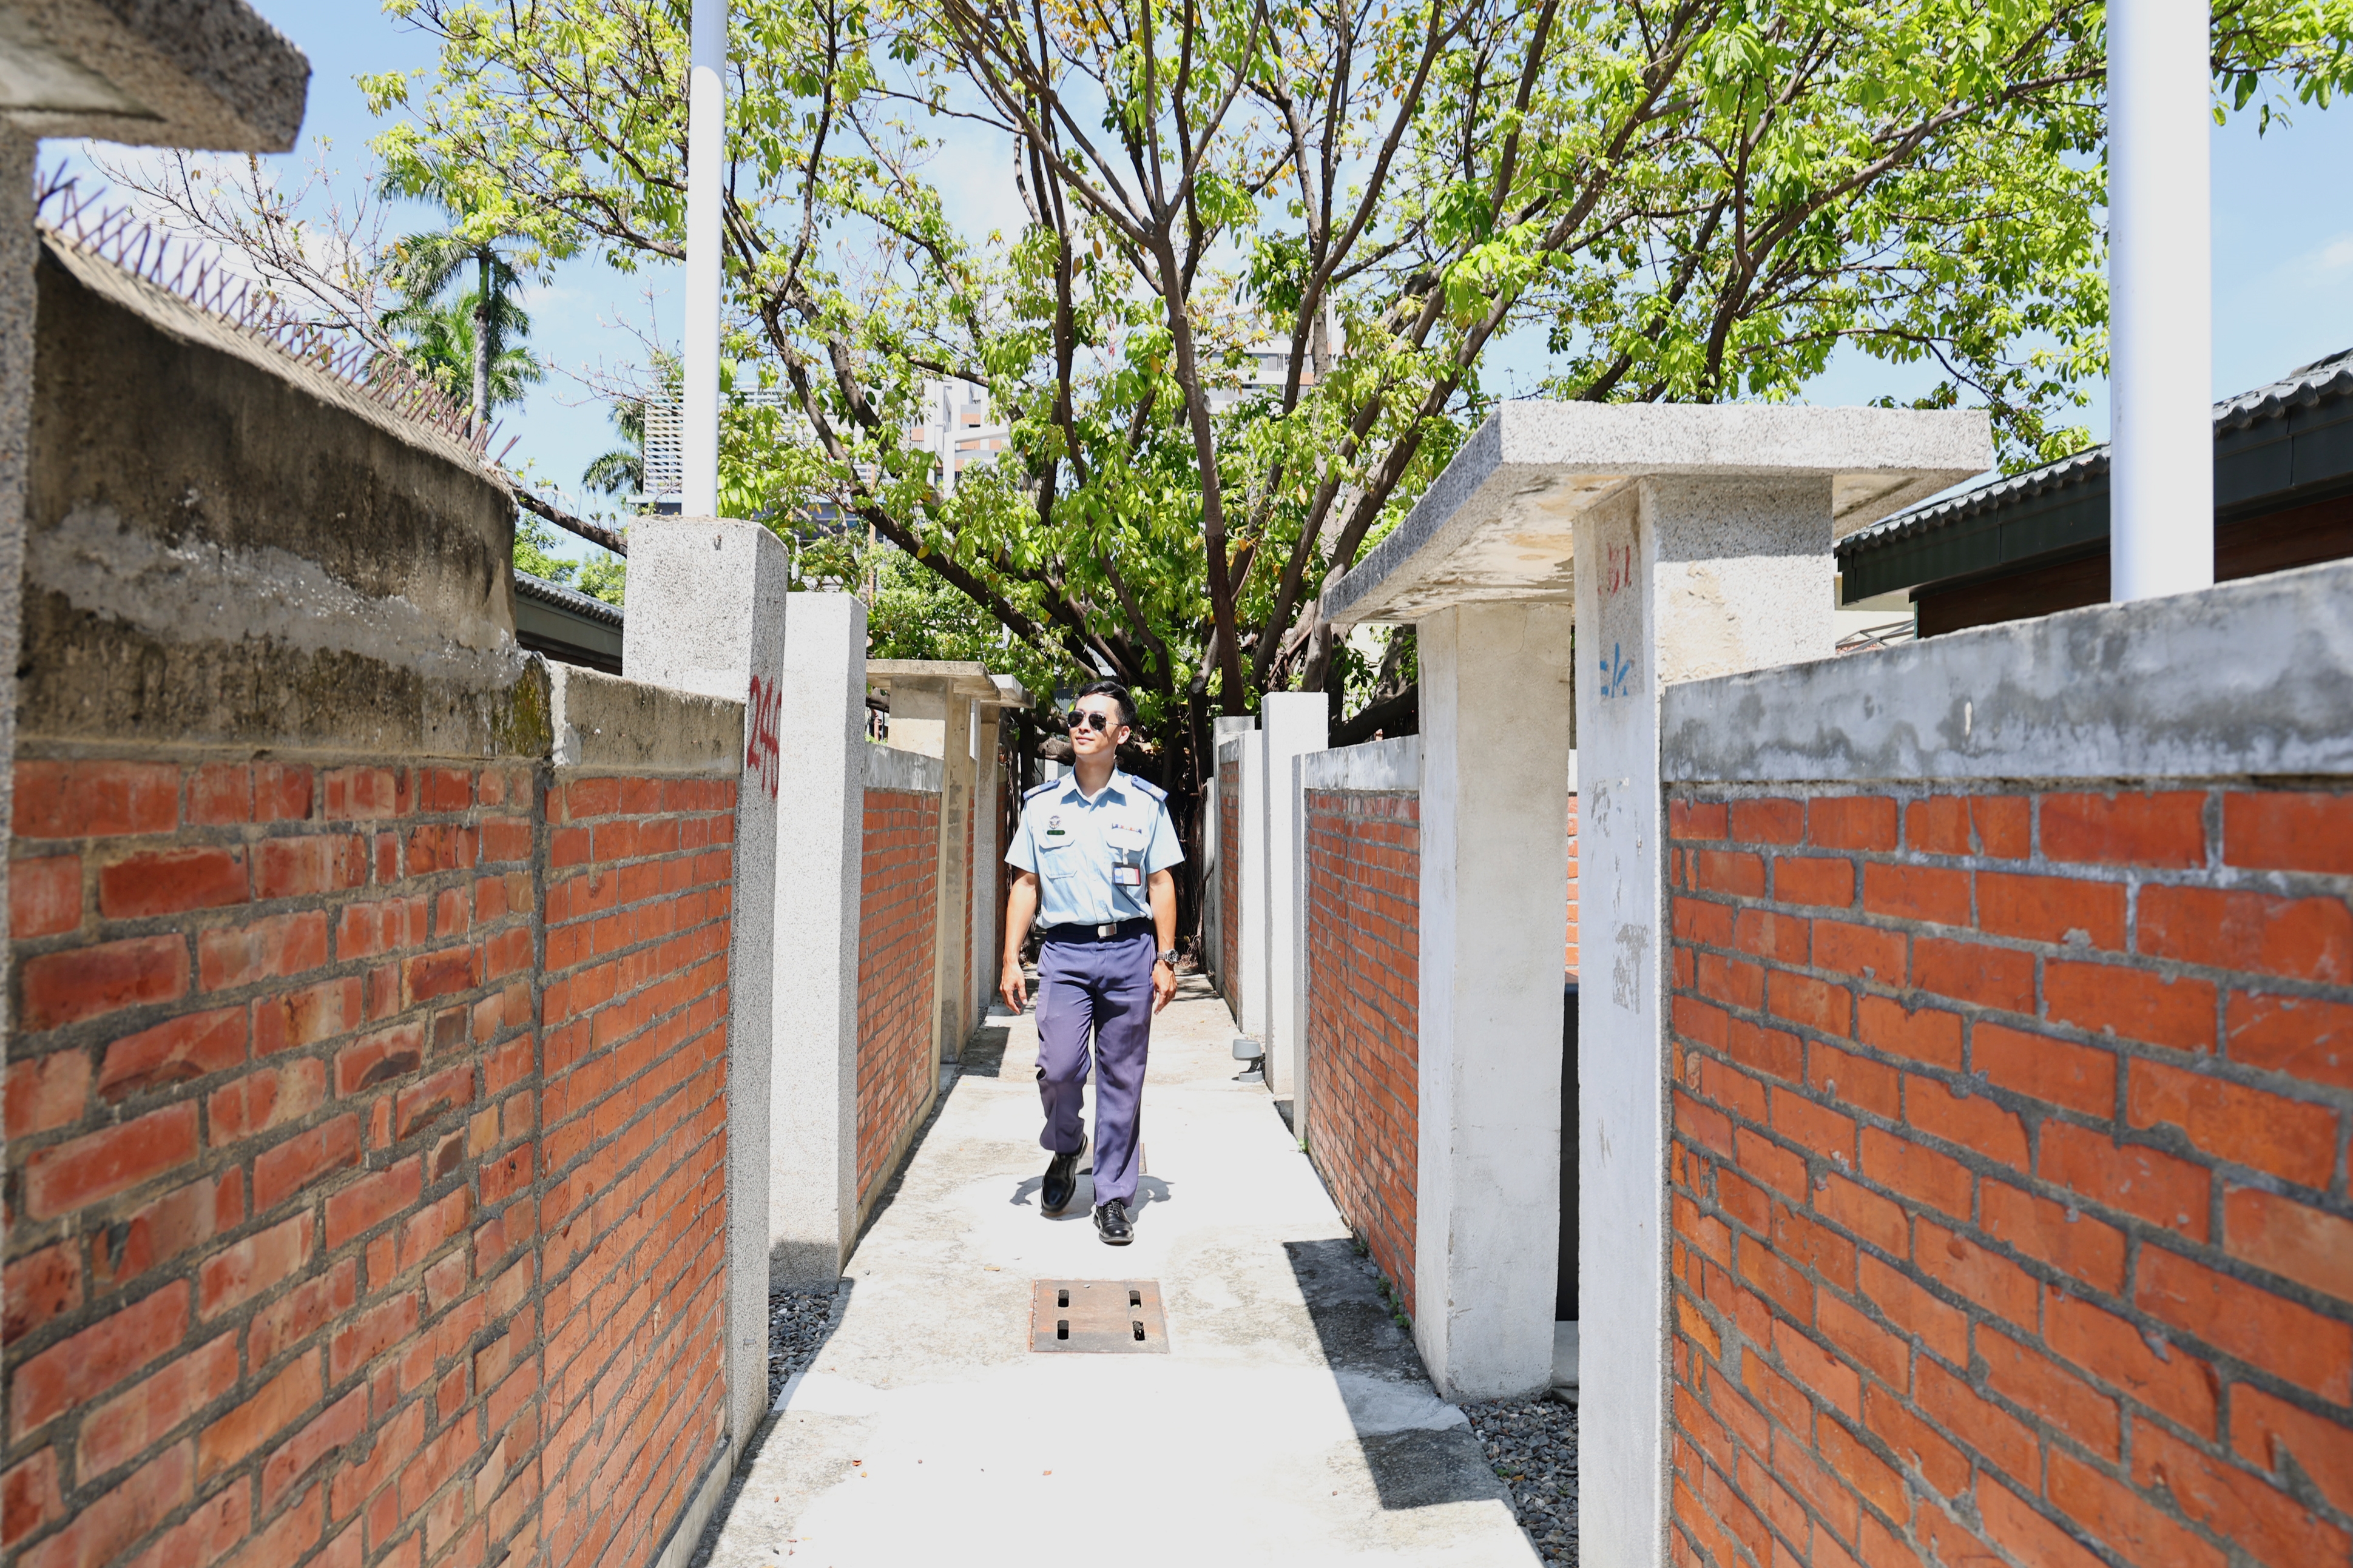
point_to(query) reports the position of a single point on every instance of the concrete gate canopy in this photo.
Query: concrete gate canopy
(208, 74)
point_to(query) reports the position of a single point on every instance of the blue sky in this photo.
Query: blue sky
(2283, 247)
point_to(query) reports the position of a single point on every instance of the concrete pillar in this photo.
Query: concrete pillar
(19, 247)
(931, 717)
(1214, 850)
(813, 1115)
(707, 613)
(1293, 724)
(1495, 687)
(987, 803)
(1250, 894)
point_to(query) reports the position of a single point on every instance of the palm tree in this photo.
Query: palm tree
(424, 267)
(621, 470)
(442, 341)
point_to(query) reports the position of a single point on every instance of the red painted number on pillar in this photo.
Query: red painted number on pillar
(760, 754)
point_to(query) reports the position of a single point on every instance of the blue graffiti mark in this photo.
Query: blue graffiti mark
(1616, 671)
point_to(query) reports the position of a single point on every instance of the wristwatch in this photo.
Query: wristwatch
(1169, 958)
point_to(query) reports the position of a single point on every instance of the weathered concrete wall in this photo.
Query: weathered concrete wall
(367, 1083)
(2009, 978)
(898, 1075)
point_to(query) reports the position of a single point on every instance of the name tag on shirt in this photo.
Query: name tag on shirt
(1127, 875)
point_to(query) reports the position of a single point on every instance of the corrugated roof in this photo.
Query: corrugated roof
(2302, 387)
(565, 598)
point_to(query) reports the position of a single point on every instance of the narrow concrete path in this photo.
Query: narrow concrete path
(1289, 1421)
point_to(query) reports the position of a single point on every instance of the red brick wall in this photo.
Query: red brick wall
(2009, 1178)
(1363, 967)
(898, 929)
(1229, 884)
(1569, 958)
(321, 1247)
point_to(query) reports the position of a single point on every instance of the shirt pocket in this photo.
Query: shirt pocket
(1056, 860)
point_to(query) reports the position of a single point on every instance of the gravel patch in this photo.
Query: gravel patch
(1532, 1443)
(798, 1321)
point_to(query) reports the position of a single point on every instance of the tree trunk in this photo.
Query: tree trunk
(482, 341)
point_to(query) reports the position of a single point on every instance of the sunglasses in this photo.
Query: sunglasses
(1101, 723)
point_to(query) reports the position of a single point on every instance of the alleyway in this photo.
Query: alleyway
(1289, 1423)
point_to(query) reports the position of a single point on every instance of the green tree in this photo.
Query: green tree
(487, 322)
(441, 340)
(622, 470)
(1269, 246)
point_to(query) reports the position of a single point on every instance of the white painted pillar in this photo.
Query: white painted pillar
(930, 716)
(707, 614)
(2160, 301)
(1293, 724)
(1495, 687)
(987, 915)
(813, 1098)
(1677, 578)
(1250, 918)
(1215, 915)
(706, 157)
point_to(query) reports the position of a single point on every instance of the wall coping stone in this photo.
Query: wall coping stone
(887, 767)
(607, 723)
(1389, 765)
(2245, 678)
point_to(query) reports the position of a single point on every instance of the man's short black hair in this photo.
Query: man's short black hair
(1116, 692)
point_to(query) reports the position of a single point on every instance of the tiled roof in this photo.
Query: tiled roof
(2304, 386)
(565, 598)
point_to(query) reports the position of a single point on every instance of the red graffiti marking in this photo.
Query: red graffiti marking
(761, 758)
(1617, 567)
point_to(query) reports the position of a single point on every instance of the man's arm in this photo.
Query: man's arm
(1164, 931)
(1020, 909)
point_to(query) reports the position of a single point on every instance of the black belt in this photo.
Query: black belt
(1115, 930)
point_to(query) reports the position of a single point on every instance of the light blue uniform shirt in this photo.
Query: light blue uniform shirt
(1094, 858)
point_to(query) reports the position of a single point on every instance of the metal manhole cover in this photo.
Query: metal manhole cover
(1106, 1317)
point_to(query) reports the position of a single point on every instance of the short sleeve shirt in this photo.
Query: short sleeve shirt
(1093, 858)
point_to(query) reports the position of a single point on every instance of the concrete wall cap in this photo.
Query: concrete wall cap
(2249, 677)
(961, 676)
(890, 768)
(199, 74)
(605, 723)
(1388, 766)
(1497, 524)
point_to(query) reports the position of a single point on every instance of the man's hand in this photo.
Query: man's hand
(1014, 986)
(1163, 985)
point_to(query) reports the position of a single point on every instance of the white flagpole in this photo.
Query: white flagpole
(706, 139)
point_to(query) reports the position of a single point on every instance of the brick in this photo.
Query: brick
(1815, 1004)
(287, 1540)
(313, 864)
(95, 799)
(1856, 1080)
(2144, 1367)
(192, 1046)
(365, 930)
(301, 1312)
(1933, 893)
(1973, 1273)
(370, 1201)
(2128, 1523)
(1937, 825)
(1816, 1248)
(1974, 1121)
(1812, 880)
(2133, 1177)
(1850, 822)
(2242, 1508)
(60, 988)
(1866, 1214)
(2061, 910)
(2276, 1437)
(1768, 821)
(437, 975)
(1813, 1127)
(1916, 1445)
(271, 949)
(1971, 972)
(285, 1169)
(134, 1420)
(2013, 1523)
(72, 1175)
(321, 1437)
(252, 1267)
(40, 1288)
(282, 1401)
(1865, 952)
(2300, 1035)
(2291, 1239)
(44, 896)
(77, 1369)
(262, 1100)
(2079, 1077)
(2003, 1440)
(2107, 998)
(1874, 1480)
(101, 1533)
(2291, 1139)
(1736, 872)
(157, 1232)
(44, 1093)
(2162, 828)
(29, 1499)
(364, 794)
(1927, 1033)
(2034, 1383)
(306, 1015)
(169, 882)
(2303, 939)
(1766, 934)
(2280, 830)
(2244, 1321)
(379, 1058)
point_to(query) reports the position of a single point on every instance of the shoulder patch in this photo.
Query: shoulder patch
(1146, 787)
(1034, 791)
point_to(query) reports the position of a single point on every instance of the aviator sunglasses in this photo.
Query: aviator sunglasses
(1082, 718)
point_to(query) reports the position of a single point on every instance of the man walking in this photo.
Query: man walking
(1093, 853)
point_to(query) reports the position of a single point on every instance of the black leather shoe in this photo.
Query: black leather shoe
(1061, 1180)
(1111, 1223)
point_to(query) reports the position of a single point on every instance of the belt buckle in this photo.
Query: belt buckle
(1106, 930)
